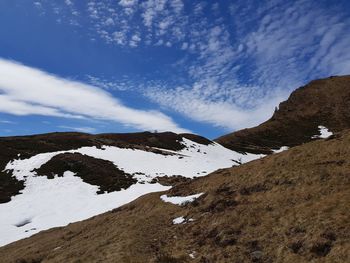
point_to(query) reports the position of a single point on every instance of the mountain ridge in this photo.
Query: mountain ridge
(289, 206)
(323, 102)
(27, 146)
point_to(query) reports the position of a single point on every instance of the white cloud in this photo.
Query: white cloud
(26, 90)
(119, 37)
(7, 122)
(178, 5)
(10, 105)
(134, 41)
(199, 7)
(152, 8)
(129, 6)
(107, 84)
(244, 66)
(68, 2)
(79, 129)
(295, 42)
(285, 45)
(184, 46)
(37, 4)
(110, 19)
(201, 107)
(109, 22)
(128, 3)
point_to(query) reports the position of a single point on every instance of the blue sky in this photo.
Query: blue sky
(207, 67)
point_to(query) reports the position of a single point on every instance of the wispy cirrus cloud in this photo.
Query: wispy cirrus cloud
(217, 111)
(115, 84)
(7, 122)
(295, 41)
(78, 129)
(237, 83)
(38, 92)
(239, 59)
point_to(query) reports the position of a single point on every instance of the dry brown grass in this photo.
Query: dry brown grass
(321, 102)
(289, 207)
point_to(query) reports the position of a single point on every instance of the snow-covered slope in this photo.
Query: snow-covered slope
(46, 203)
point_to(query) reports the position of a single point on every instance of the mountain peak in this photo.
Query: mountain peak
(323, 102)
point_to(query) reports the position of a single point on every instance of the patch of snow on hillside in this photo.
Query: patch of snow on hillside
(193, 161)
(192, 255)
(282, 149)
(180, 200)
(46, 203)
(178, 220)
(324, 133)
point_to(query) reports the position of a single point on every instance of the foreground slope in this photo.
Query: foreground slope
(55, 179)
(324, 102)
(288, 207)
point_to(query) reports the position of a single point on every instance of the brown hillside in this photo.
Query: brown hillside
(287, 207)
(323, 102)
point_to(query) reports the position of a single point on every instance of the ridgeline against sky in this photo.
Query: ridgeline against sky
(208, 67)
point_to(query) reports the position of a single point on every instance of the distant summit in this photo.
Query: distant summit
(320, 106)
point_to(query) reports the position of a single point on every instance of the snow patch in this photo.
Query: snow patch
(180, 200)
(45, 203)
(57, 202)
(324, 133)
(193, 161)
(282, 149)
(182, 220)
(179, 220)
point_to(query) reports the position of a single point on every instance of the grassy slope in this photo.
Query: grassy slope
(289, 207)
(321, 102)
